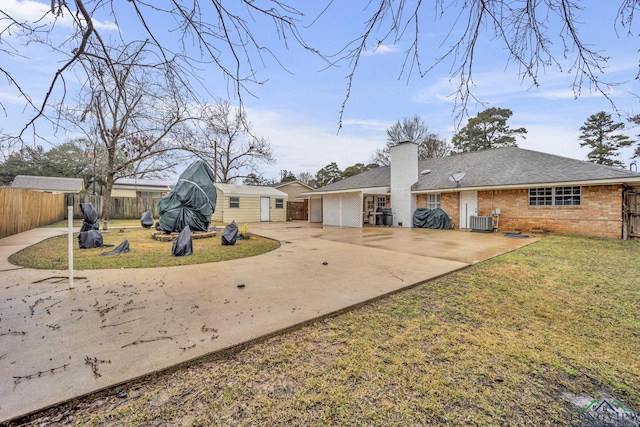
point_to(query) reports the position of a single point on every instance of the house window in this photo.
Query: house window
(382, 202)
(541, 196)
(433, 201)
(279, 203)
(369, 204)
(234, 202)
(568, 196)
(555, 196)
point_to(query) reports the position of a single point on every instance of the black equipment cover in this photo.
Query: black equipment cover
(183, 245)
(230, 234)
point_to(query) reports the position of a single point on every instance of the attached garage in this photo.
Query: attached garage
(249, 203)
(342, 209)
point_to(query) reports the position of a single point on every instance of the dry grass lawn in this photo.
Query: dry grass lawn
(145, 252)
(502, 343)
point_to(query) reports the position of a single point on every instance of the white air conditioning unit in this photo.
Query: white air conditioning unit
(481, 223)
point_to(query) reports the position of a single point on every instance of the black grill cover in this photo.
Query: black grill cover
(192, 201)
(431, 218)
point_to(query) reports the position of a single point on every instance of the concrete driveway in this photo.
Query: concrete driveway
(112, 326)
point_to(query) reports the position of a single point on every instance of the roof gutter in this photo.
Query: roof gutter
(372, 190)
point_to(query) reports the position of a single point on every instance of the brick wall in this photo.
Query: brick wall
(600, 214)
(449, 202)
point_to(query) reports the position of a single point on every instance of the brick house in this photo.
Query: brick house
(518, 189)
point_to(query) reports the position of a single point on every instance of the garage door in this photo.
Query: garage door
(342, 210)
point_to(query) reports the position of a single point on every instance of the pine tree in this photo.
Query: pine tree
(487, 130)
(599, 134)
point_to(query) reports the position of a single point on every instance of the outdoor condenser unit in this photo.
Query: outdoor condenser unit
(481, 223)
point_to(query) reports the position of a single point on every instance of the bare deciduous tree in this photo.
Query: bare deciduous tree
(130, 107)
(306, 177)
(227, 142)
(535, 34)
(412, 129)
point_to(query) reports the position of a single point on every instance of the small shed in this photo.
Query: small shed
(48, 184)
(249, 203)
(136, 187)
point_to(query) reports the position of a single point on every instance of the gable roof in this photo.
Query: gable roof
(500, 167)
(284, 184)
(48, 183)
(373, 178)
(249, 190)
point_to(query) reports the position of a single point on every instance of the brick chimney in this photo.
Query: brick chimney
(404, 173)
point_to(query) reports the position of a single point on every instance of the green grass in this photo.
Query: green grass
(497, 344)
(145, 251)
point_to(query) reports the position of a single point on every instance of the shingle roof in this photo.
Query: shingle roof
(491, 168)
(376, 177)
(512, 166)
(48, 183)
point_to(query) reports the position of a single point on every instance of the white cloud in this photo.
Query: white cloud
(302, 146)
(382, 49)
(33, 11)
(373, 125)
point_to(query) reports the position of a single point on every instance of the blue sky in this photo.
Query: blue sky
(299, 110)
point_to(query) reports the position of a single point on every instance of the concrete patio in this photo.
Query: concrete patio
(112, 326)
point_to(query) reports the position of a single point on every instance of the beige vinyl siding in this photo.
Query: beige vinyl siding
(115, 192)
(293, 190)
(249, 210)
(278, 214)
(220, 206)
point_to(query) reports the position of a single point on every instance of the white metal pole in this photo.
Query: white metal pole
(70, 222)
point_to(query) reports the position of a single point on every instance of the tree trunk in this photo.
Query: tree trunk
(106, 198)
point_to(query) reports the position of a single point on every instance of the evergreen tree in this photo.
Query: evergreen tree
(487, 130)
(328, 174)
(599, 134)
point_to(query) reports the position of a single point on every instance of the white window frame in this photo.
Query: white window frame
(368, 201)
(433, 201)
(381, 202)
(279, 203)
(234, 202)
(556, 196)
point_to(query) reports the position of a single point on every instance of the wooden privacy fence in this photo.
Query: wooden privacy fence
(631, 214)
(297, 211)
(76, 199)
(24, 209)
(121, 207)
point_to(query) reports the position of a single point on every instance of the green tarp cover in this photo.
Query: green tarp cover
(192, 201)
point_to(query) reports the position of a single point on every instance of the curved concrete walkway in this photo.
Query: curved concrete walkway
(57, 343)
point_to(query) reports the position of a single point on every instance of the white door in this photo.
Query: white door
(315, 209)
(468, 207)
(264, 209)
